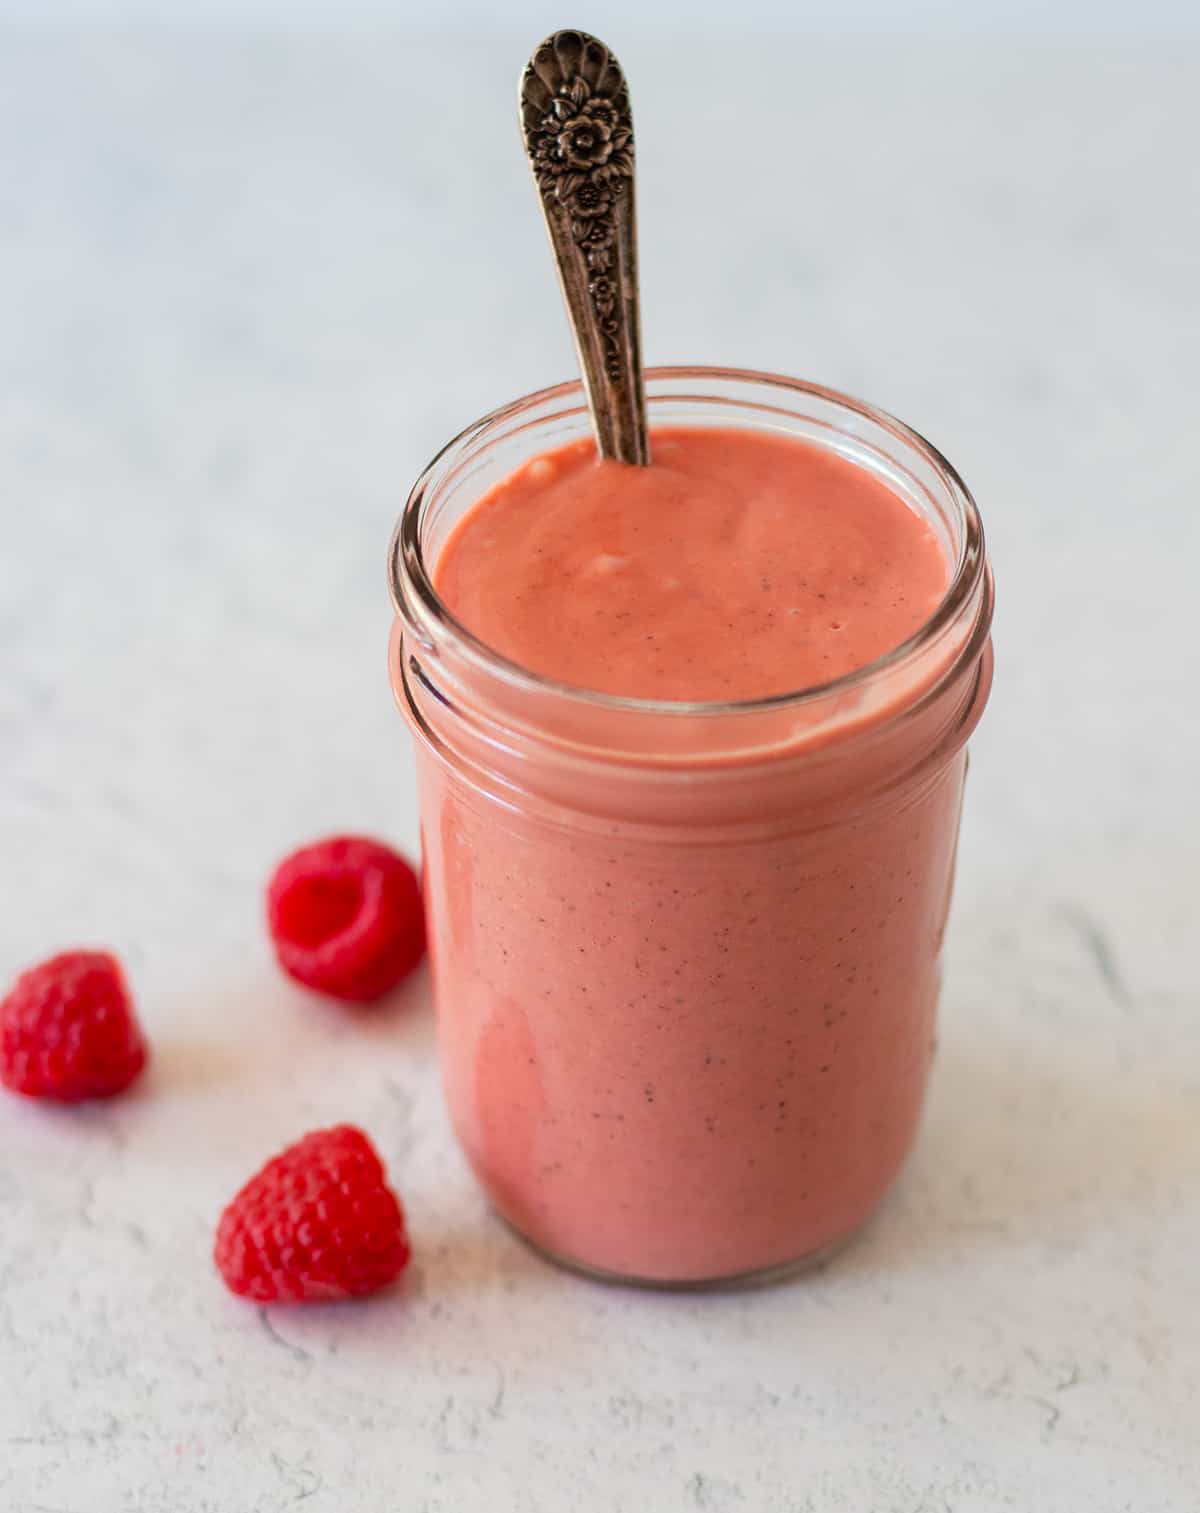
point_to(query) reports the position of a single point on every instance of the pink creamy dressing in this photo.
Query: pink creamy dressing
(740, 564)
(676, 1057)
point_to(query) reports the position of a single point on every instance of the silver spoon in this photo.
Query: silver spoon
(578, 131)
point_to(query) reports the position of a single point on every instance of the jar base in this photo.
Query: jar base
(761, 1276)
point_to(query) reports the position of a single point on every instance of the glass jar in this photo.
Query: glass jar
(686, 957)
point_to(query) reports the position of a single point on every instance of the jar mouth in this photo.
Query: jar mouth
(425, 614)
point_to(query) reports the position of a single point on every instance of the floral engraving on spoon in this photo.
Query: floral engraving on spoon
(579, 131)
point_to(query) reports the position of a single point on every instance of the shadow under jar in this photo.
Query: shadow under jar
(686, 957)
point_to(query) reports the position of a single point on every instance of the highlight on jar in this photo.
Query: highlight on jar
(690, 657)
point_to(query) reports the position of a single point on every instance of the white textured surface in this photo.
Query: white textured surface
(241, 310)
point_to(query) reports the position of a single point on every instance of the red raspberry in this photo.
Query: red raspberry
(68, 1030)
(318, 1222)
(346, 918)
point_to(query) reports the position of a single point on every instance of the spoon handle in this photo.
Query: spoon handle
(578, 131)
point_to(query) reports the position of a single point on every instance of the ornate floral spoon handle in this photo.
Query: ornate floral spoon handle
(579, 135)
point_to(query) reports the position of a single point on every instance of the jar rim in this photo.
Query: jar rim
(408, 571)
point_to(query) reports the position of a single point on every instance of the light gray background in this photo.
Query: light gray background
(250, 281)
(1075, 20)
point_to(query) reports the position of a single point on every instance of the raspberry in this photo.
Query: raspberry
(346, 918)
(318, 1222)
(68, 1030)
